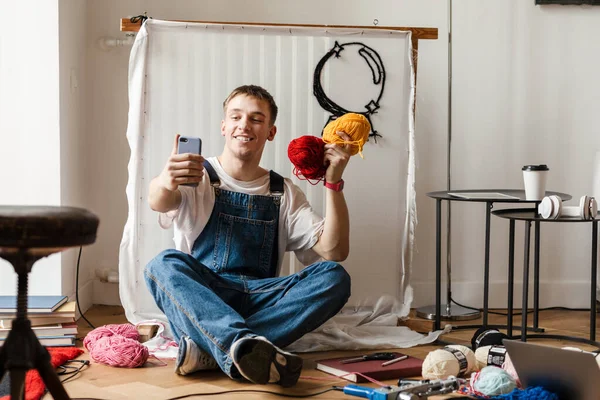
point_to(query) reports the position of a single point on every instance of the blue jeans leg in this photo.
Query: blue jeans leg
(184, 290)
(284, 309)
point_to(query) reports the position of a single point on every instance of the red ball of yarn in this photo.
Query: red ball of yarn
(116, 345)
(307, 154)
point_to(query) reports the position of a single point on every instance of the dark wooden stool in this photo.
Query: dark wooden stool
(28, 233)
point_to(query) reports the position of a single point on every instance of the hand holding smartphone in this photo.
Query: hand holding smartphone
(188, 144)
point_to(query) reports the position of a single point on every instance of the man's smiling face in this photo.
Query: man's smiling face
(247, 127)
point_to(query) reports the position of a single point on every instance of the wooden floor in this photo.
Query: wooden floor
(160, 382)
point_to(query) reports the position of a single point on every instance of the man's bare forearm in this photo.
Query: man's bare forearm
(162, 199)
(334, 243)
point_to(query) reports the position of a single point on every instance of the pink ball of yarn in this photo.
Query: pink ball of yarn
(127, 330)
(116, 345)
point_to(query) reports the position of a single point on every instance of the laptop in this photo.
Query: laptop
(572, 375)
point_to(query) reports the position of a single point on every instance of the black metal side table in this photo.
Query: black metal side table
(517, 196)
(529, 216)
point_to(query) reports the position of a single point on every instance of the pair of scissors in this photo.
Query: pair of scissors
(368, 357)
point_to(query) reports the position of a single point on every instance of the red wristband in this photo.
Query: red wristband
(336, 187)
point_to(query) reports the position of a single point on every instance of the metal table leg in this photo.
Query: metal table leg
(486, 274)
(450, 311)
(593, 284)
(525, 281)
(511, 277)
(434, 312)
(438, 264)
(536, 275)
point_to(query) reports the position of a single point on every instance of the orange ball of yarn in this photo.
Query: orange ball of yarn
(356, 126)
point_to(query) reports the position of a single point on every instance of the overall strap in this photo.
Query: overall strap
(276, 189)
(212, 174)
(276, 183)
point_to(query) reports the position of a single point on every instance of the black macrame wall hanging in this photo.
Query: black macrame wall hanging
(372, 59)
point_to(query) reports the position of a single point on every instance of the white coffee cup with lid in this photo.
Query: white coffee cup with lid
(535, 177)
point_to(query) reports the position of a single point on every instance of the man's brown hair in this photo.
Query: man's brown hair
(258, 93)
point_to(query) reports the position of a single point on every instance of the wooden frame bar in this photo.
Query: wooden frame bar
(417, 32)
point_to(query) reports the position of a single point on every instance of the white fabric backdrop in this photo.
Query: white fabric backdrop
(180, 73)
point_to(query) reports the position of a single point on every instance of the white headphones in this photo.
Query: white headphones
(551, 208)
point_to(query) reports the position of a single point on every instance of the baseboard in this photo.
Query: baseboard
(552, 294)
(96, 292)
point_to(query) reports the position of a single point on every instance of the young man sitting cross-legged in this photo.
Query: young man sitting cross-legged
(219, 289)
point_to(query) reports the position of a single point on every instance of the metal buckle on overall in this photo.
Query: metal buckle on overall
(276, 196)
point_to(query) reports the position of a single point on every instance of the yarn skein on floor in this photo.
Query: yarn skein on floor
(487, 337)
(492, 381)
(116, 345)
(452, 360)
(490, 355)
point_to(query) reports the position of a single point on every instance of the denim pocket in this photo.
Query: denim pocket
(243, 243)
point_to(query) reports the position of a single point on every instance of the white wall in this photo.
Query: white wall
(524, 91)
(74, 172)
(30, 156)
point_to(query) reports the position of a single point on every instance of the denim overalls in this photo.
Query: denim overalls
(227, 289)
(241, 235)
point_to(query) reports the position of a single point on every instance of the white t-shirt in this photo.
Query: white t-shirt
(299, 225)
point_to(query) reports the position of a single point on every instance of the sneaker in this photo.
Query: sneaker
(191, 358)
(260, 361)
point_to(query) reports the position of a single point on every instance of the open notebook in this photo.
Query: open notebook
(482, 195)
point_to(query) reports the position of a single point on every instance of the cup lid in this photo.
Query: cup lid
(541, 167)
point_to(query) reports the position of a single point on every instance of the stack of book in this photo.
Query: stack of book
(52, 319)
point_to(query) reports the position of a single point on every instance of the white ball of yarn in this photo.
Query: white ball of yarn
(441, 364)
(482, 355)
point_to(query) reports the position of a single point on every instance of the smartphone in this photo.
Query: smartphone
(188, 144)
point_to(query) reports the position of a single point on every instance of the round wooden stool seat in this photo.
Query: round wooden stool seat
(28, 233)
(46, 227)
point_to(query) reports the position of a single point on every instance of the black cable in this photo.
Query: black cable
(520, 313)
(253, 391)
(234, 391)
(77, 290)
(563, 308)
(489, 312)
(72, 371)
